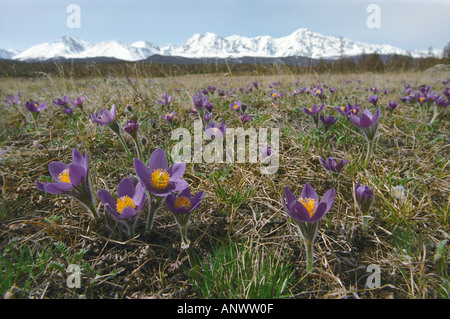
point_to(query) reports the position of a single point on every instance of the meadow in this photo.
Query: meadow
(241, 241)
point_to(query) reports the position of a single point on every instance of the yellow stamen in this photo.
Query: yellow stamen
(160, 179)
(215, 129)
(342, 108)
(310, 205)
(235, 106)
(64, 176)
(310, 109)
(318, 91)
(274, 94)
(421, 99)
(124, 201)
(182, 201)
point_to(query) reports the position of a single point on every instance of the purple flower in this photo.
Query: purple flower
(245, 118)
(367, 123)
(158, 178)
(12, 100)
(131, 127)
(35, 107)
(265, 153)
(314, 112)
(373, 99)
(308, 208)
(78, 102)
(349, 109)
(168, 117)
(327, 121)
(331, 165)
(441, 101)
(200, 100)
(364, 200)
(71, 180)
(129, 204)
(392, 105)
(130, 199)
(68, 110)
(104, 117)
(236, 106)
(213, 131)
(61, 101)
(207, 116)
(275, 94)
(184, 203)
(164, 99)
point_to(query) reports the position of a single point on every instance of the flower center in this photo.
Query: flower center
(160, 179)
(235, 106)
(310, 205)
(182, 201)
(64, 176)
(274, 95)
(124, 201)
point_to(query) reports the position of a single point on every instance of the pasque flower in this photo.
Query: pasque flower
(12, 100)
(35, 108)
(78, 102)
(129, 204)
(364, 199)
(213, 131)
(72, 180)
(368, 124)
(349, 109)
(182, 205)
(332, 166)
(105, 117)
(307, 212)
(164, 99)
(236, 106)
(327, 121)
(63, 102)
(159, 180)
(373, 99)
(314, 112)
(132, 129)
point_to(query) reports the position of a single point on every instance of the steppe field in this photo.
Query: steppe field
(93, 200)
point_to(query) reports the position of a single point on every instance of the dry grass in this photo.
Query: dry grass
(401, 238)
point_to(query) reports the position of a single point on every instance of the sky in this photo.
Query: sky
(407, 24)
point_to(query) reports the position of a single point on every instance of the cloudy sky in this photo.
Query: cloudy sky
(408, 24)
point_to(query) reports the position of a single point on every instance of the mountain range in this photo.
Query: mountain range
(301, 43)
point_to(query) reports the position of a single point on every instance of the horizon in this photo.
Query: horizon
(153, 21)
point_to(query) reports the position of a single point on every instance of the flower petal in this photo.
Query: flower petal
(139, 196)
(309, 192)
(125, 188)
(176, 170)
(127, 212)
(196, 200)
(158, 159)
(55, 168)
(143, 173)
(299, 212)
(76, 173)
(108, 201)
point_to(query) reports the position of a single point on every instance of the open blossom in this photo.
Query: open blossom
(158, 178)
(104, 117)
(308, 208)
(35, 107)
(373, 99)
(130, 199)
(245, 118)
(63, 102)
(168, 117)
(12, 100)
(78, 102)
(212, 130)
(236, 106)
(349, 109)
(314, 112)
(164, 100)
(71, 180)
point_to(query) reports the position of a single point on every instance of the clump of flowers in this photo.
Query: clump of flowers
(307, 212)
(368, 125)
(129, 204)
(159, 181)
(181, 206)
(72, 180)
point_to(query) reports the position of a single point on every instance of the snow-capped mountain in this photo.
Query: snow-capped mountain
(302, 43)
